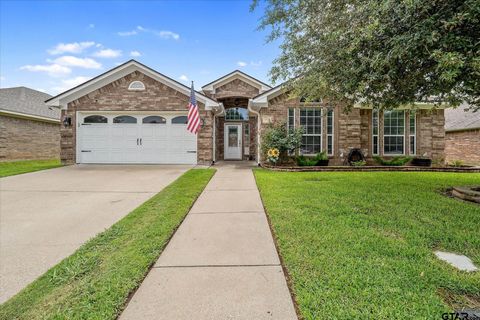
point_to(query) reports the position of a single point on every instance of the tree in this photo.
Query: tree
(381, 53)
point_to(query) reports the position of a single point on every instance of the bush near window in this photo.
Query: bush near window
(277, 136)
(359, 163)
(303, 161)
(395, 161)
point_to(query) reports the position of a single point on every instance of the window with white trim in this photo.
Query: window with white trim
(311, 122)
(393, 132)
(291, 119)
(375, 146)
(413, 132)
(330, 132)
(136, 86)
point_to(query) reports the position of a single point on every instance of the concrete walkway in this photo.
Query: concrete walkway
(221, 262)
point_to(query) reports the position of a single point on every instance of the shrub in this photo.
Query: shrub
(277, 136)
(360, 163)
(395, 161)
(456, 163)
(303, 161)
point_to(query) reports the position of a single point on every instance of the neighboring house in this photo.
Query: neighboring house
(29, 129)
(462, 135)
(134, 114)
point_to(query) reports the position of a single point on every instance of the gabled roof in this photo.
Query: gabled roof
(25, 101)
(236, 74)
(261, 100)
(461, 118)
(118, 72)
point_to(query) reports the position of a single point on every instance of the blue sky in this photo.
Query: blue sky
(54, 45)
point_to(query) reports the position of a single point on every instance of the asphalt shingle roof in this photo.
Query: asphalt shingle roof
(27, 101)
(461, 118)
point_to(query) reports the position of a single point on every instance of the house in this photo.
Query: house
(462, 135)
(29, 129)
(134, 114)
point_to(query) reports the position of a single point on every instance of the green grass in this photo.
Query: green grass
(97, 279)
(360, 245)
(18, 167)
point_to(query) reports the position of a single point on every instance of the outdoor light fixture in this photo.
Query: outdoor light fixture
(67, 121)
(202, 122)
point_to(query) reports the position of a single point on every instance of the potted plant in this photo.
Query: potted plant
(322, 159)
(272, 155)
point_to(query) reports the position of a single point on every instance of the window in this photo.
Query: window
(236, 114)
(247, 135)
(311, 121)
(154, 120)
(330, 132)
(136, 86)
(393, 132)
(291, 119)
(124, 119)
(180, 120)
(413, 132)
(95, 119)
(375, 146)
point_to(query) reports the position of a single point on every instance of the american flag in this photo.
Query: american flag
(193, 117)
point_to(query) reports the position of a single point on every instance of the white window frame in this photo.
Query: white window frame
(288, 119)
(132, 85)
(331, 134)
(313, 134)
(375, 114)
(395, 135)
(414, 135)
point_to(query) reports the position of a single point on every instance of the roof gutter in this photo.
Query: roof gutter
(27, 116)
(255, 109)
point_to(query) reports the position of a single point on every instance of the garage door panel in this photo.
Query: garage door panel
(163, 143)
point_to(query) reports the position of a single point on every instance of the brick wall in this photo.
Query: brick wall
(23, 139)
(463, 145)
(354, 129)
(116, 97)
(235, 88)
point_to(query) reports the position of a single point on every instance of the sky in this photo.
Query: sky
(52, 46)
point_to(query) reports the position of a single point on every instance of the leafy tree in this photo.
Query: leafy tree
(278, 136)
(382, 53)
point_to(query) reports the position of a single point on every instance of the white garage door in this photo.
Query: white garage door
(120, 138)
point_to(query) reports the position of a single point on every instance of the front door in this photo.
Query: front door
(233, 142)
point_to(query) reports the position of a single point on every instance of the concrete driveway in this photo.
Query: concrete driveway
(45, 216)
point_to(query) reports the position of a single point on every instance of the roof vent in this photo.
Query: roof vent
(136, 86)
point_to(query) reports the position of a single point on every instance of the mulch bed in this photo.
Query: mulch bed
(371, 168)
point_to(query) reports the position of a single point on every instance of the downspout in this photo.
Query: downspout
(216, 112)
(257, 113)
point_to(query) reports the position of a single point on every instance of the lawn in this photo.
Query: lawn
(95, 281)
(360, 245)
(18, 167)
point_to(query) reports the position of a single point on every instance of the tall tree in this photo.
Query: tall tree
(382, 53)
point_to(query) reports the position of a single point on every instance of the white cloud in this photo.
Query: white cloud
(108, 53)
(183, 78)
(135, 53)
(2, 78)
(165, 34)
(40, 89)
(91, 26)
(71, 61)
(54, 70)
(127, 33)
(75, 47)
(241, 64)
(70, 83)
(256, 63)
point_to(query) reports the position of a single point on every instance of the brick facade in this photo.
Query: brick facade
(228, 93)
(354, 129)
(116, 97)
(351, 130)
(24, 139)
(464, 146)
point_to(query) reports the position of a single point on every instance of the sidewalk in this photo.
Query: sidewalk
(221, 262)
